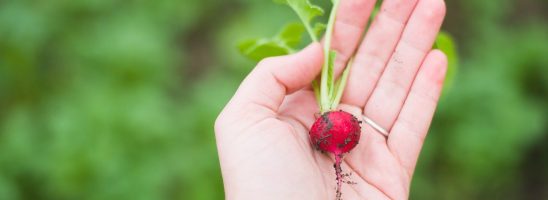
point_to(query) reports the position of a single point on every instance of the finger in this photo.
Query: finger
(273, 78)
(350, 22)
(391, 91)
(411, 127)
(375, 50)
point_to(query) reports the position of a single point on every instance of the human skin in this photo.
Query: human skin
(395, 80)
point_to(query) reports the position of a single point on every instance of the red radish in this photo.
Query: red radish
(336, 132)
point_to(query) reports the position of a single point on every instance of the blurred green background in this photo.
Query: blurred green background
(104, 99)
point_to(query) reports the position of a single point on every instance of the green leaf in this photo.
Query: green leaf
(304, 9)
(282, 44)
(319, 29)
(306, 12)
(445, 43)
(291, 34)
(258, 49)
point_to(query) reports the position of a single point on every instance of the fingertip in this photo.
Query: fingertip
(308, 62)
(435, 9)
(440, 56)
(437, 62)
(314, 51)
(311, 55)
(293, 71)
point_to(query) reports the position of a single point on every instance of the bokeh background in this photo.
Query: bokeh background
(116, 99)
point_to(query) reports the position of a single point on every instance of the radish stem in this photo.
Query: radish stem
(310, 31)
(325, 103)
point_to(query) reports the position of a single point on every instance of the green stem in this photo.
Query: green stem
(324, 90)
(306, 24)
(310, 32)
(316, 88)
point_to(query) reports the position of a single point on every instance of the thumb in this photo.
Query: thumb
(275, 77)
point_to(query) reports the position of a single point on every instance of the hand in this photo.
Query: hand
(395, 80)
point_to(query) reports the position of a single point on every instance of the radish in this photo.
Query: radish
(335, 132)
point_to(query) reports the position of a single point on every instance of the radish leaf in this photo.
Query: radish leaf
(282, 44)
(291, 34)
(446, 44)
(258, 49)
(306, 12)
(319, 28)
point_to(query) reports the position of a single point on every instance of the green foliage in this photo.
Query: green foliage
(319, 28)
(282, 44)
(290, 36)
(306, 12)
(445, 43)
(488, 137)
(91, 108)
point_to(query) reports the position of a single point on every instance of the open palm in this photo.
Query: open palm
(396, 79)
